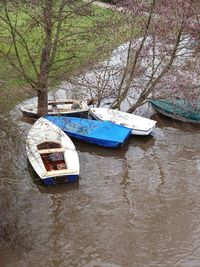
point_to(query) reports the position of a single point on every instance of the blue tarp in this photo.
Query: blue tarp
(103, 133)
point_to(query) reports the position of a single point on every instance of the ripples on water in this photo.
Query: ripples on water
(134, 206)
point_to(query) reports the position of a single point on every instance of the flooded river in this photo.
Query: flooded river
(137, 206)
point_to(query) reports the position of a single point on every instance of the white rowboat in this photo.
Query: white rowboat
(138, 124)
(57, 107)
(51, 153)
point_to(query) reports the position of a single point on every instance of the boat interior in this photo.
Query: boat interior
(63, 105)
(52, 156)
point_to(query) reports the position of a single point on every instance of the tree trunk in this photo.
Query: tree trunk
(42, 101)
(45, 58)
(153, 81)
(130, 68)
(138, 103)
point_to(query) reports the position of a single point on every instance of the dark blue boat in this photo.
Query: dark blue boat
(102, 133)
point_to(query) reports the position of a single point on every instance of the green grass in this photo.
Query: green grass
(88, 39)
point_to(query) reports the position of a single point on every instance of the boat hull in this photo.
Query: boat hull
(57, 107)
(52, 154)
(138, 125)
(95, 141)
(175, 112)
(100, 133)
(62, 179)
(143, 133)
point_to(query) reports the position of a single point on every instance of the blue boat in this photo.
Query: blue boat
(106, 134)
(178, 109)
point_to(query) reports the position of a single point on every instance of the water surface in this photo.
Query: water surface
(137, 206)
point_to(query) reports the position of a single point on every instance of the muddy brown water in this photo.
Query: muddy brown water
(137, 206)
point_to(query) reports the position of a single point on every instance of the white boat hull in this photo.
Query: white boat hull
(138, 124)
(57, 107)
(49, 168)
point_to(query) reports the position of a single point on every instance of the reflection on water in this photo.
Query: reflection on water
(133, 206)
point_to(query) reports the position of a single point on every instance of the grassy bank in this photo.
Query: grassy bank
(97, 34)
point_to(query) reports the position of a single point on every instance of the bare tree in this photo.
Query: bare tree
(161, 34)
(158, 56)
(34, 37)
(165, 37)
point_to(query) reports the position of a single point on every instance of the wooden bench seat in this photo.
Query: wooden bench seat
(61, 172)
(52, 150)
(60, 101)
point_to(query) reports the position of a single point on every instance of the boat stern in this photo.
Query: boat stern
(60, 180)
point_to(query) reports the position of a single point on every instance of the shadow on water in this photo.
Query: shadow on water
(93, 149)
(28, 119)
(143, 142)
(164, 121)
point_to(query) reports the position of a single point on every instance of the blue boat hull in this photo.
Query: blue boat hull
(57, 180)
(100, 133)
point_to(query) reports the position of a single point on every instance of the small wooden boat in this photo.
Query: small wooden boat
(138, 124)
(57, 107)
(101, 133)
(51, 153)
(178, 109)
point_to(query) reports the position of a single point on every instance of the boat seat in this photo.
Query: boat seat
(60, 172)
(52, 150)
(64, 106)
(60, 101)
